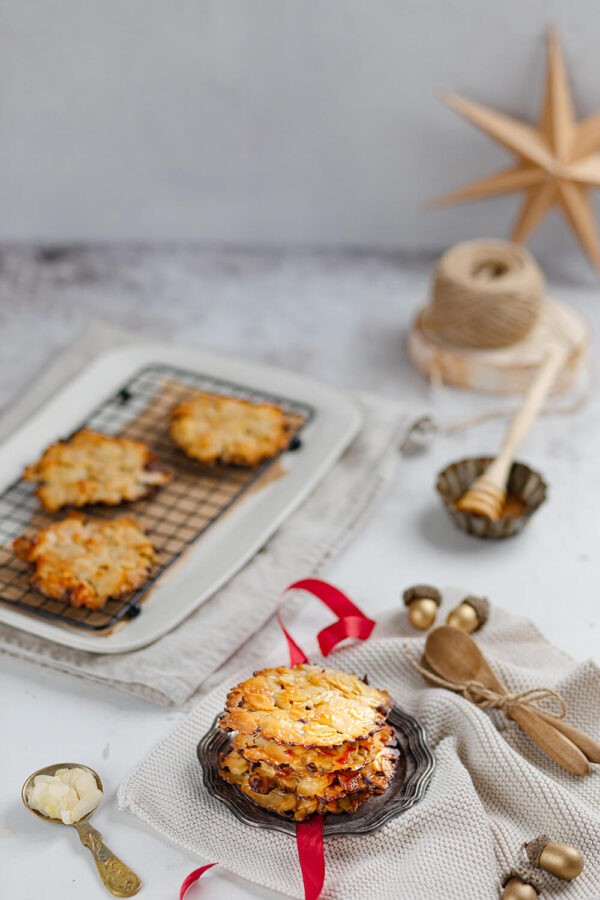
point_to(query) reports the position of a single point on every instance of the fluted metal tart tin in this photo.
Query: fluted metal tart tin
(524, 485)
(413, 774)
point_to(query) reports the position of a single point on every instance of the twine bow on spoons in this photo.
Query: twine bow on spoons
(485, 698)
(452, 660)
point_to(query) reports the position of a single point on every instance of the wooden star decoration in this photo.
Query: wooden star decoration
(556, 162)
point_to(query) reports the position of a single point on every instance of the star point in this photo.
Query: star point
(556, 162)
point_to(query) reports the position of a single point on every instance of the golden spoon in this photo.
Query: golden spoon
(117, 877)
(455, 656)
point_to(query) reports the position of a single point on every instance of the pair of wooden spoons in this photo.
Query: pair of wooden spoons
(454, 656)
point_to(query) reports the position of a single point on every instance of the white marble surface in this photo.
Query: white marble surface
(342, 319)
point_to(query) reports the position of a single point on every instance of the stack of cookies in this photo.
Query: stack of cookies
(309, 740)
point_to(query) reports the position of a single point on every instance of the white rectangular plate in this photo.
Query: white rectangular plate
(232, 540)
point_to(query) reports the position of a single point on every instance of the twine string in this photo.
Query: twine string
(481, 696)
(486, 294)
(426, 428)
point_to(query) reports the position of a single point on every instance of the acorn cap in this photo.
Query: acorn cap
(421, 590)
(534, 849)
(481, 606)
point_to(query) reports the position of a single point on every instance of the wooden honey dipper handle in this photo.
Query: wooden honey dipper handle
(529, 410)
(487, 494)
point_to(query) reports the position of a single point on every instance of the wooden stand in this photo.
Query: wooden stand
(509, 370)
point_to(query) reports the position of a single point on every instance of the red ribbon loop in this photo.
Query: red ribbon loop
(297, 655)
(351, 622)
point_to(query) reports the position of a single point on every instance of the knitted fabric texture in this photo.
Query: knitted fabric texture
(493, 788)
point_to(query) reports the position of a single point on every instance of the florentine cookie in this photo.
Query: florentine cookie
(374, 771)
(310, 740)
(288, 794)
(93, 468)
(85, 561)
(305, 761)
(291, 805)
(306, 705)
(211, 428)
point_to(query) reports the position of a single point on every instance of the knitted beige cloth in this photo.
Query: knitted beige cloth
(493, 788)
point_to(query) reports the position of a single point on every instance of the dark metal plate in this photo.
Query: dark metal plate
(413, 774)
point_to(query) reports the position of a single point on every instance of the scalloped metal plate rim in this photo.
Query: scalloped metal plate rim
(406, 789)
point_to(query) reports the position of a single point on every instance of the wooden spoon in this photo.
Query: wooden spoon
(588, 745)
(487, 495)
(457, 658)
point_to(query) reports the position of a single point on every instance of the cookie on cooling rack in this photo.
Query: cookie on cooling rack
(84, 561)
(93, 468)
(306, 705)
(212, 429)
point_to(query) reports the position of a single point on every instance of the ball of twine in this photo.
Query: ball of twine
(486, 294)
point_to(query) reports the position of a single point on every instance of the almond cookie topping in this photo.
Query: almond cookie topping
(213, 429)
(306, 705)
(286, 792)
(94, 468)
(310, 740)
(351, 755)
(84, 561)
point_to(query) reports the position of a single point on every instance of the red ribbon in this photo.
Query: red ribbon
(192, 877)
(311, 855)
(351, 623)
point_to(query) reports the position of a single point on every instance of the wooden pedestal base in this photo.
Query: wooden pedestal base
(508, 370)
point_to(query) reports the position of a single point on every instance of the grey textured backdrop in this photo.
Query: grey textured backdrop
(262, 122)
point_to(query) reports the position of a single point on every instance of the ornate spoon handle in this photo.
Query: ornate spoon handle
(117, 877)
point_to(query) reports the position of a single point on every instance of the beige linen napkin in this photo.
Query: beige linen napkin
(493, 788)
(172, 669)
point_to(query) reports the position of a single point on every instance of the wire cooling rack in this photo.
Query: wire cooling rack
(174, 517)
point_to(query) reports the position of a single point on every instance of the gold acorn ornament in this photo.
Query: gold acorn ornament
(517, 889)
(470, 614)
(422, 601)
(558, 859)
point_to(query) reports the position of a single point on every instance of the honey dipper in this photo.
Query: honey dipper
(487, 495)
